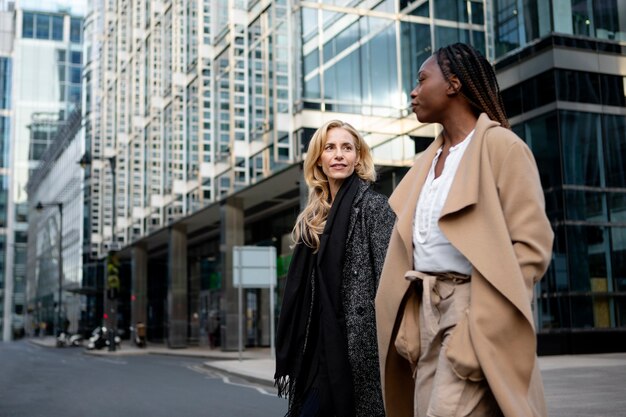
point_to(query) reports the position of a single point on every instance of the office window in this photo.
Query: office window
(581, 87)
(75, 30)
(73, 94)
(28, 25)
(75, 75)
(57, 28)
(446, 36)
(539, 134)
(615, 150)
(579, 132)
(5, 82)
(76, 57)
(42, 25)
(416, 48)
(478, 13)
(4, 141)
(455, 10)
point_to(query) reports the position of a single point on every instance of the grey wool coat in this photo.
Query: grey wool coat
(369, 229)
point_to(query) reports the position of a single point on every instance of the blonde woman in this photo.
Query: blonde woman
(326, 356)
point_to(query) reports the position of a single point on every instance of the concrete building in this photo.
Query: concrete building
(46, 62)
(201, 111)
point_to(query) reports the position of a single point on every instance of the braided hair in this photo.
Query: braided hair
(478, 79)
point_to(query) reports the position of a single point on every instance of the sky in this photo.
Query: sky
(77, 7)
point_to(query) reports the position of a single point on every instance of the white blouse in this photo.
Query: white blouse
(432, 251)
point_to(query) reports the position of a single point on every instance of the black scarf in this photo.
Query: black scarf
(326, 336)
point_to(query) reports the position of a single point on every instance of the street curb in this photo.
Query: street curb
(252, 379)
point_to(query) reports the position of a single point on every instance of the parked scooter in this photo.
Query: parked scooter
(66, 339)
(139, 332)
(100, 338)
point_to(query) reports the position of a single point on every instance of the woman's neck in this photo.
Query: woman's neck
(457, 129)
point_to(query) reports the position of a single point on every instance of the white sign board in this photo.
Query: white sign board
(254, 266)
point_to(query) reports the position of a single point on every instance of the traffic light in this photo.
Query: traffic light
(113, 279)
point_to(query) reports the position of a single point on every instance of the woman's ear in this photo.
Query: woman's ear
(454, 86)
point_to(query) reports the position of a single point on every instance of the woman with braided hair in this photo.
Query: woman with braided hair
(453, 308)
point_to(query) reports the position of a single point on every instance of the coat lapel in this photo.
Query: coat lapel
(403, 201)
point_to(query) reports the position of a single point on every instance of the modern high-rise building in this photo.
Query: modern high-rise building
(199, 112)
(56, 293)
(562, 69)
(6, 72)
(46, 63)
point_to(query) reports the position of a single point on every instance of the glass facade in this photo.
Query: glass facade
(55, 181)
(518, 23)
(367, 62)
(564, 85)
(580, 157)
(5, 83)
(46, 60)
(574, 120)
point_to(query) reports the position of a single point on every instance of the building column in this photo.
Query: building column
(177, 288)
(264, 316)
(194, 302)
(231, 234)
(139, 286)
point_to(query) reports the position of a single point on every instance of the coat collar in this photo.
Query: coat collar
(463, 192)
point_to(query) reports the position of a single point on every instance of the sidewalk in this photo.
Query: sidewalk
(578, 385)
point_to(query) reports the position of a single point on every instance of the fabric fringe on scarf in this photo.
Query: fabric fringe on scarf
(284, 386)
(287, 389)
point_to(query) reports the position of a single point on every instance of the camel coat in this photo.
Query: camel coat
(495, 217)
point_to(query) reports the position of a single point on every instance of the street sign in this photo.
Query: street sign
(254, 267)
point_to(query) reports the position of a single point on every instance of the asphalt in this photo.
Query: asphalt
(575, 385)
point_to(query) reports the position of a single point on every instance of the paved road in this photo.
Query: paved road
(42, 382)
(585, 385)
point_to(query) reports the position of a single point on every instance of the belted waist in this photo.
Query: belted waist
(455, 277)
(433, 287)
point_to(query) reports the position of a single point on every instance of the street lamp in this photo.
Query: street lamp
(110, 302)
(40, 206)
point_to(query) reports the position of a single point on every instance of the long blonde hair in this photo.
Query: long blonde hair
(311, 221)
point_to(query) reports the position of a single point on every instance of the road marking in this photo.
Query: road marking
(210, 374)
(113, 361)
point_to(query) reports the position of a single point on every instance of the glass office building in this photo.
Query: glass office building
(6, 63)
(57, 183)
(561, 68)
(46, 61)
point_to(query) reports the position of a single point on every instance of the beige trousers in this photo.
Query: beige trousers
(439, 392)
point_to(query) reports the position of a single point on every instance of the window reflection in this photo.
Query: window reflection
(455, 10)
(615, 150)
(416, 48)
(446, 36)
(589, 255)
(579, 132)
